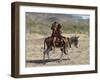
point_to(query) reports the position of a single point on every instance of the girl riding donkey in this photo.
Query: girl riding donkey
(56, 40)
(56, 33)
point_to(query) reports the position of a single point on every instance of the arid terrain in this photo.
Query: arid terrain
(34, 51)
(38, 27)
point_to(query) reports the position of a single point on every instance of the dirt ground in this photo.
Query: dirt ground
(34, 52)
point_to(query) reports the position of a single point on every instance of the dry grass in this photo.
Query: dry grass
(34, 52)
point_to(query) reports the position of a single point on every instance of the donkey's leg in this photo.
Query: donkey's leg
(44, 53)
(65, 51)
(48, 53)
(61, 56)
(44, 57)
(53, 50)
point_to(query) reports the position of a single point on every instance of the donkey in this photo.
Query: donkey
(62, 43)
(74, 40)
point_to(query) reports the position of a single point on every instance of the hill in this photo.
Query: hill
(41, 22)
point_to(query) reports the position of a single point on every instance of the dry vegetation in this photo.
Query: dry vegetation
(34, 51)
(38, 28)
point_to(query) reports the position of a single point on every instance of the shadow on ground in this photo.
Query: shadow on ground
(41, 61)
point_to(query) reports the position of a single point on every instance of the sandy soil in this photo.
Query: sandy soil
(34, 52)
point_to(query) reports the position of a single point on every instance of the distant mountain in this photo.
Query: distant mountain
(34, 21)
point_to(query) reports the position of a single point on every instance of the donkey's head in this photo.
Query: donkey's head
(74, 40)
